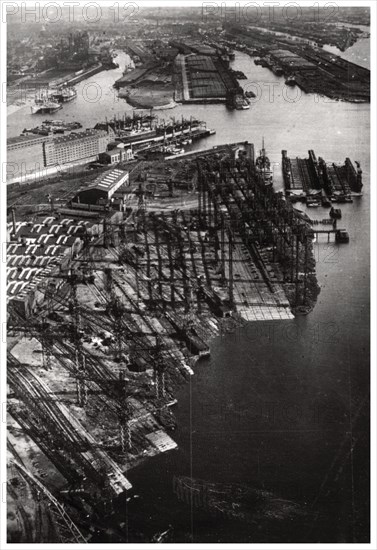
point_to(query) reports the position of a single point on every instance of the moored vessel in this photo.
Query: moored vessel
(45, 106)
(290, 81)
(277, 70)
(335, 213)
(64, 94)
(341, 236)
(263, 166)
(43, 103)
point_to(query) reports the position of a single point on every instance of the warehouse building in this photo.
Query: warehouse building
(75, 146)
(24, 155)
(290, 60)
(102, 190)
(119, 153)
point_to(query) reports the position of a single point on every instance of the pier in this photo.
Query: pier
(336, 232)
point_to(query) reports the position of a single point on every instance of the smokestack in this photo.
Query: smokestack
(14, 221)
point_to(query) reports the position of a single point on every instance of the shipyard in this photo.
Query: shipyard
(98, 269)
(187, 279)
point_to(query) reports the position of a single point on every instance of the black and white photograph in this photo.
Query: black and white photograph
(188, 274)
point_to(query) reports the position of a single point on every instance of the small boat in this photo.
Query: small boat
(177, 151)
(335, 213)
(277, 70)
(291, 81)
(341, 236)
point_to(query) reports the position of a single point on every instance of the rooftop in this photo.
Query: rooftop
(107, 181)
(39, 250)
(79, 135)
(24, 139)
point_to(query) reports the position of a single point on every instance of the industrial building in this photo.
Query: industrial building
(75, 146)
(24, 141)
(31, 154)
(290, 60)
(25, 154)
(101, 191)
(119, 153)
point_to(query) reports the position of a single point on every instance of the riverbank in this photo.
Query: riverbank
(316, 70)
(149, 96)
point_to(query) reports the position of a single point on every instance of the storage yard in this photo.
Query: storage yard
(186, 71)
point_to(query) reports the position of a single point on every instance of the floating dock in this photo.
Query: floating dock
(316, 181)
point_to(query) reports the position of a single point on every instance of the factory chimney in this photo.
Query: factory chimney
(14, 221)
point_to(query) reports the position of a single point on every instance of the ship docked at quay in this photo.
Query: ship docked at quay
(151, 136)
(263, 167)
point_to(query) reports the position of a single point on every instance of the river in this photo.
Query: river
(281, 406)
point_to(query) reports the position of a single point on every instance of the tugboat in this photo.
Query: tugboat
(277, 70)
(241, 102)
(341, 236)
(236, 100)
(263, 166)
(291, 81)
(335, 213)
